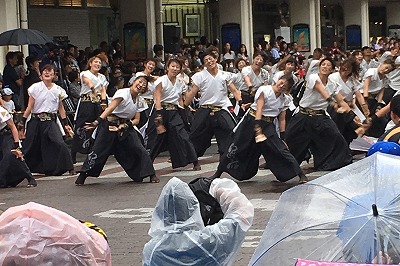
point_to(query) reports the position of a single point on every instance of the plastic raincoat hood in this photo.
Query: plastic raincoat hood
(179, 236)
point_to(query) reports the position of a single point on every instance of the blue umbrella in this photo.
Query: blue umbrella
(348, 215)
(23, 36)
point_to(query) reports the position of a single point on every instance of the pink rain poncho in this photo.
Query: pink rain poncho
(34, 234)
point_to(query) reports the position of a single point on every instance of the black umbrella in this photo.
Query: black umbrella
(23, 36)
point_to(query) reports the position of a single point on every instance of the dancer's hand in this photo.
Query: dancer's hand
(69, 131)
(17, 151)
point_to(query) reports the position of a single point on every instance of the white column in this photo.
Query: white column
(364, 23)
(159, 21)
(23, 11)
(246, 25)
(318, 23)
(8, 21)
(151, 26)
(314, 25)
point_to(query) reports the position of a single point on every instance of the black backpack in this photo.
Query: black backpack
(210, 209)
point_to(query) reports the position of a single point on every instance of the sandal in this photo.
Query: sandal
(154, 179)
(303, 179)
(80, 181)
(31, 184)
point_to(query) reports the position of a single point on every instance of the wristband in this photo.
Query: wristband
(240, 102)
(16, 145)
(329, 99)
(103, 101)
(159, 112)
(97, 121)
(92, 88)
(282, 135)
(24, 120)
(64, 121)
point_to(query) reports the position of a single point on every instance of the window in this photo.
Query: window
(42, 2)
(98, 3)
(72, 3)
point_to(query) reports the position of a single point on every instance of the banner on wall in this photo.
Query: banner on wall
(301, 35)
(135, 41)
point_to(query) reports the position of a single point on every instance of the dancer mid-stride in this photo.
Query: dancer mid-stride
(256, 135)
(116, 135)
(13, 168)
(168, 101)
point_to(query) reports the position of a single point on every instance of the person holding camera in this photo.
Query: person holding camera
(179, 236)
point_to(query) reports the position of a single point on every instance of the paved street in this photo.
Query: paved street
(123, 208)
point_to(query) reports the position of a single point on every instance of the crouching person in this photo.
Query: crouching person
(179, 236)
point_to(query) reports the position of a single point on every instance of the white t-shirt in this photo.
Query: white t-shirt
(127, 108)
(365, 66)
(394, 76)
(346, 89)
(312, 98)
(238, 81)
(170, 93)
(4, 117)
(273, 105)
(213, 90)
(98, 81)
(256, 80)
(46, 100)
(279, 74)
(185, 79)
(151, 86)
(376, 84)
(313, 68)
(10, 106)
(231, 55)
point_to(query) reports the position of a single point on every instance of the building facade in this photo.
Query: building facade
(140, 24)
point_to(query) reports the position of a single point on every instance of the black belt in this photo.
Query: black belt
(169, 106)
(115, 120)
(90, 97)
(268, 119)
(149, 101)
(213, 108)
(5, 130)
(311, 112)
(45, 116)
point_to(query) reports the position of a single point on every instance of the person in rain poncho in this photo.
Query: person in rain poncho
(179, 236)
(34, 234)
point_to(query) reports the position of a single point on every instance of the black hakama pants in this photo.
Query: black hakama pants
(345, 124)
(87, 112)
(175, 140)
(206, 124)
(319, 134)
(378, 127)
(242, 158)
(12, 170)
(44, 148)
(127, 149)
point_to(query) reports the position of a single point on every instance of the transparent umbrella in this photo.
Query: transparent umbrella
(349, 215)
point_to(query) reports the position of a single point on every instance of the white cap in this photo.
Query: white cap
(7, 91)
